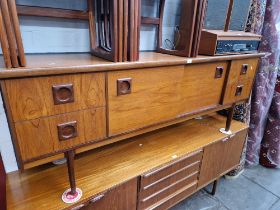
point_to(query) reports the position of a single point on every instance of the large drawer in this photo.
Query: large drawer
(47, 135)
(158, 185)
(144, 97)
(32, 98)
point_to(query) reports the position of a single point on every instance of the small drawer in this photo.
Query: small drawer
(240, 80)
(156, 175)
(33, 98)
(52, 134)
(188, 171)
(240, 91)
(160, 197)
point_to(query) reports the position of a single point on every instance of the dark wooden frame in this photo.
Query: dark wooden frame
(10, 35)
(96, 47)
(187, 25)
(3, 202)
(193, 12)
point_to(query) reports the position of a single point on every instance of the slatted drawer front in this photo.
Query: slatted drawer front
(158, 185)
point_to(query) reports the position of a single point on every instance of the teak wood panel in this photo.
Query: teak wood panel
(161, 94)
(154, 176)
(32, 98)
(122, 197)
(236, 78)
(221, 157)
(102, 169)
(41, 136)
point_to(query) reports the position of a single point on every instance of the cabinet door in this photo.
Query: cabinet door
(145, 97)
(220, 157)
(122, 197)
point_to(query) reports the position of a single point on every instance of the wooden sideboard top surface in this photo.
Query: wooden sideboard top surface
(55, 64)
(114, 164)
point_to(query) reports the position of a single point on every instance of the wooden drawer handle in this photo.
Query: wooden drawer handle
(239, 90)
(124, 86)
(63, 94)
(244, 69)
(219, 72)
(67, 130)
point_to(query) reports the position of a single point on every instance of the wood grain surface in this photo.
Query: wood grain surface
(39, 137)
(54, 64)
(109, 166)
(36, 96)
(235, 78)
(162, 94)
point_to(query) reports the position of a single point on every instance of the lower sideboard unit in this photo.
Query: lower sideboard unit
(151, 171)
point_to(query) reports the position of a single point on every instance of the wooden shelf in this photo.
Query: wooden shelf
(55, 64)
(112, 165)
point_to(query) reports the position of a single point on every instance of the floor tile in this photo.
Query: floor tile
(200, 201)
(243, 194)
(276, 206)
(268, 178)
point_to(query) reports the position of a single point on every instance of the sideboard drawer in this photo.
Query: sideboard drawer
(158, 185)
(32, 98)
(145, 97)
(52, 134)
(240, 80)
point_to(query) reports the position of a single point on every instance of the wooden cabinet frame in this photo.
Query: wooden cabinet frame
(191, 21)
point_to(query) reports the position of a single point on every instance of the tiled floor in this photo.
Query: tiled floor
(255, 189)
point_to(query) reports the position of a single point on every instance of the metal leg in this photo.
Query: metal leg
(71, 172)
(214, 188)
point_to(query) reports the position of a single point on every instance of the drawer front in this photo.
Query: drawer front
(52, 134)
(240, 80)
(122, 197)
(220, 157)
(32, 98)
(158, 174)
(144, 97)
(160, 184)
(173, 198)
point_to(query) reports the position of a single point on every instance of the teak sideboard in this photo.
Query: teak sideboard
(77, 102)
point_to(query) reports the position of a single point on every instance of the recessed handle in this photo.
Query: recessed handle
(63, 94)
(67, 130)
(219, 72)
(124, 86)
(239, 90)
(244, 69)
(97, 198)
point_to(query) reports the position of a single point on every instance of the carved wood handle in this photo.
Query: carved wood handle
(63, 94)
(219, 72)
(67, 130)
(239, 90)
(124, 86)
(244, 69)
